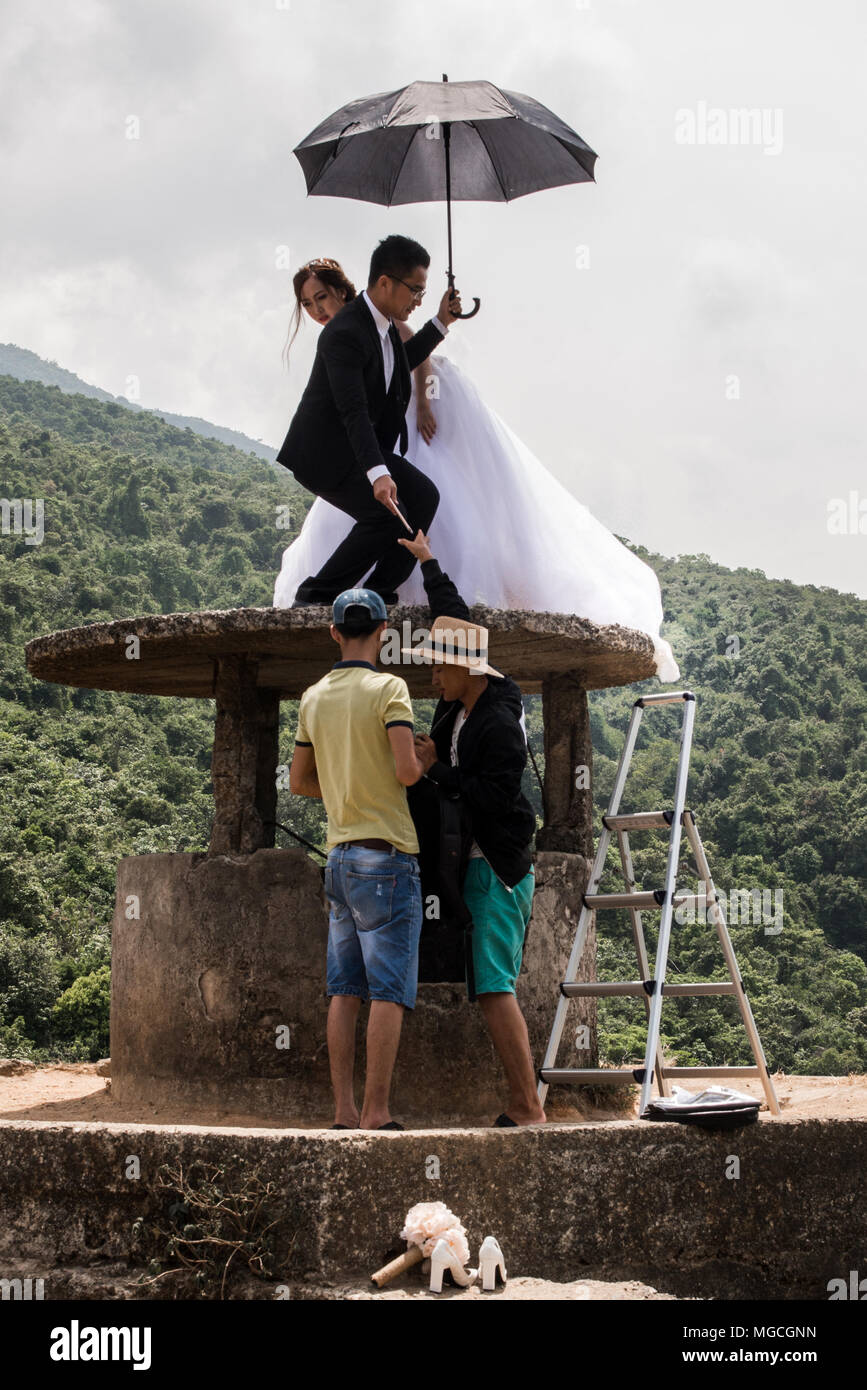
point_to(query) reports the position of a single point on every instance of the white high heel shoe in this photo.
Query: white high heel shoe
(444, 1258)
(491, 1263)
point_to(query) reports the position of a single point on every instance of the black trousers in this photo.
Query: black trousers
(373, 538)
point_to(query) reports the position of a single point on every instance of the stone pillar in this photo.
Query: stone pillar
(568, 827)
(567, 809)
(244, 759)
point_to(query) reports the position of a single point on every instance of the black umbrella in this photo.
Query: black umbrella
(495, 146)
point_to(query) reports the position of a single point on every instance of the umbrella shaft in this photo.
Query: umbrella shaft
(447, 136)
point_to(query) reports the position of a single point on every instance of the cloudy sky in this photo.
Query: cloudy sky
(682, 343)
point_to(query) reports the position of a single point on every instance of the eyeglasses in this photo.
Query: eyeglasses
(416, 294)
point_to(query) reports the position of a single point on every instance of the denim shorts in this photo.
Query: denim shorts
(374, 924)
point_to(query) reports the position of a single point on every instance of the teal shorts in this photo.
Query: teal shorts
(500, 918)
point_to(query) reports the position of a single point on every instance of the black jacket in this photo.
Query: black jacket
(492, 754)
(345, 420)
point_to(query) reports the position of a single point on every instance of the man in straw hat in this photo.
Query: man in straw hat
(478, 752)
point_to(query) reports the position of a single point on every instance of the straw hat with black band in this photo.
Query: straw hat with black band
(454, 642)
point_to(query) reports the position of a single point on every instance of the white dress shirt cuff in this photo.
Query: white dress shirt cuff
(443, 328)
(377, 472)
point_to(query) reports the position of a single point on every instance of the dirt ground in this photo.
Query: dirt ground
(74, 1091)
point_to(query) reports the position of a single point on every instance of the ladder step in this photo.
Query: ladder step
(591, 1076)
(655, 898)
(652, 899)
(664, 699)
(589, 989)
(640, 820)
(627, 1076)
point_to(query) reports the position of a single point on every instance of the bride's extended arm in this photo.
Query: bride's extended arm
(425, 418)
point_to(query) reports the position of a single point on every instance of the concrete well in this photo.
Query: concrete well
(216, 956)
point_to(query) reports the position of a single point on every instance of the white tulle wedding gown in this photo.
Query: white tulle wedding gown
(506, 531)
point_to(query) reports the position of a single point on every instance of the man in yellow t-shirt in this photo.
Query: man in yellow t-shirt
(355, 749)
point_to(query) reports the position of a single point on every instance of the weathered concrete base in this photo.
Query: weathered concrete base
(213, 955)
(627, 1200)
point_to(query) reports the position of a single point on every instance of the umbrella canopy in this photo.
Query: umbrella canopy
(387, 148)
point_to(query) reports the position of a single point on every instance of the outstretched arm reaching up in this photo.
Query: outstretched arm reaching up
(442, 594)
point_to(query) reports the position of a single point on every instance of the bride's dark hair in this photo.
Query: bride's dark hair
(330, 273)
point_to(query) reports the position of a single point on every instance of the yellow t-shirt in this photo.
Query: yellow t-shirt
(344, 717)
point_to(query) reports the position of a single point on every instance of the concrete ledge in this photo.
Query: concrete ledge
(627, 1200)
(293, 649)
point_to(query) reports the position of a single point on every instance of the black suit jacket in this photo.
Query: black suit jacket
(345, 419)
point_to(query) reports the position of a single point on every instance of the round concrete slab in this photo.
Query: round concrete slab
(176, 653)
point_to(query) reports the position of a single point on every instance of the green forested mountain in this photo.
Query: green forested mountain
(141, 516)
(28, 366)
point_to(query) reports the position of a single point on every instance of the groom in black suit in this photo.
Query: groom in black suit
(341, 440)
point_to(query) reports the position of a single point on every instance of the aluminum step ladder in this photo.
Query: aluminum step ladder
(652, 989)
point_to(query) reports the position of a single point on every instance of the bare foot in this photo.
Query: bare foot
(375, 1120)
(350, 1118)
(526, 1115)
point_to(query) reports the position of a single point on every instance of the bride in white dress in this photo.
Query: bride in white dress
(506, 531)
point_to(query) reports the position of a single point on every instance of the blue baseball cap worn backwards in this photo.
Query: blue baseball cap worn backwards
(363, 598)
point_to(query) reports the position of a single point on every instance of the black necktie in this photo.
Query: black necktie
(396, 344)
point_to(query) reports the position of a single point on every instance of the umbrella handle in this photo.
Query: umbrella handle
(475, 309)
(477, 303)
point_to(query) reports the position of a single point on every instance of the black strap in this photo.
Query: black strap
(454, 851)
(299, 838)
(536, 769)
